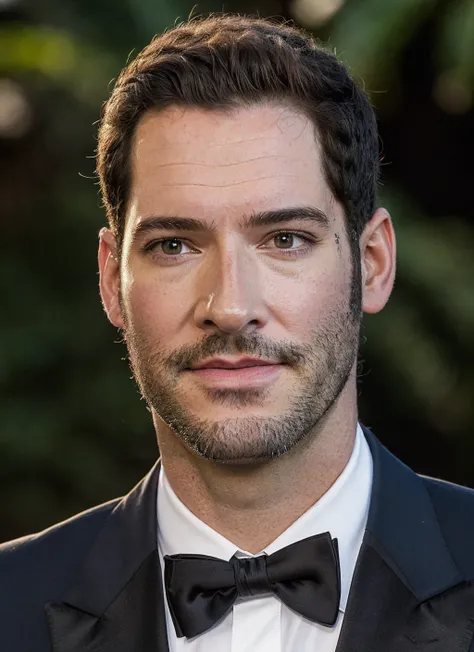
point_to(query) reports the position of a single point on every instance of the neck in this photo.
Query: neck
(251, 505)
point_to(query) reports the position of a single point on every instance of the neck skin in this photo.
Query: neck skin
(252, 505)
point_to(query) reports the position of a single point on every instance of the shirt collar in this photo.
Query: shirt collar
(342, 511)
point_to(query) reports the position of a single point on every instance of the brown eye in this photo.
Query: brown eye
(286, 239)
(290, 247)
(171, 246)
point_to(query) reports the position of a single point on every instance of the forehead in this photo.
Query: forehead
(219, 165)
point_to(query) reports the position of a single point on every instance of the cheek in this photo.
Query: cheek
(305, 304)
(152, 307)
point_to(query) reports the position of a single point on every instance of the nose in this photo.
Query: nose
(231, 298)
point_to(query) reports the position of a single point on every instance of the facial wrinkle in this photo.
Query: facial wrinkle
(227, 185)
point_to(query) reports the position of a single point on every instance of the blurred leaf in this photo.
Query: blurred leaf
(369, 35)
(429, 321)
(152, 16)
(455, 48)
(59, 56)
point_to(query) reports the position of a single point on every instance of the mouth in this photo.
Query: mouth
(256, 375)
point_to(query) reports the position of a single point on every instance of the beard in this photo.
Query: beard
(321, 367)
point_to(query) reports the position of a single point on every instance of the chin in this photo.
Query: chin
(237, 460)
(240, 462)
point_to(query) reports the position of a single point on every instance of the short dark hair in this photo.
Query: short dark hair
(226, 61)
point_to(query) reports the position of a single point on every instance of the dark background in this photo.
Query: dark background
(73, 430)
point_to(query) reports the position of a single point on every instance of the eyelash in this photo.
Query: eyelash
(294, 253)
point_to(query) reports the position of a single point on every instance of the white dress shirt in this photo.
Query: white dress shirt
(264, 623)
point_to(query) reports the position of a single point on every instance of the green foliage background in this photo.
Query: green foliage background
(73, 430)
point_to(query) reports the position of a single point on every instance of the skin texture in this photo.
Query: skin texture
(248, 462)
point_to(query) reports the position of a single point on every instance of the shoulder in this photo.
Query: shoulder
(38, 568)
(454, 507)
(444, 490)
(43, 563)
(452, 502)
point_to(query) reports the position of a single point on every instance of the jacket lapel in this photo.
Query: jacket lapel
(116, 602)
(407, 593)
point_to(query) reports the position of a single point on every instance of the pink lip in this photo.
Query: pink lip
(255, 376)
(221, 363)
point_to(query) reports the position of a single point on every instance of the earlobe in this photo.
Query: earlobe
(109, 271)
(378, 255)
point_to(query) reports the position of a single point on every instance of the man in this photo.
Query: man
(239, 163)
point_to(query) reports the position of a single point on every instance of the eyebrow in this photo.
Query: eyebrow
(309, 214)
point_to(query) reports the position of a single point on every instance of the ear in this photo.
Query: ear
(109, 270)
(378, 258)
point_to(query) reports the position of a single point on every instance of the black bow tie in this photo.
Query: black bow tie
(305, 576)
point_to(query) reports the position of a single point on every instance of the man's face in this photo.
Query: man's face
(278, 291)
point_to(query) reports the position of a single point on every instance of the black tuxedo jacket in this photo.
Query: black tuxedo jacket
(93, 583)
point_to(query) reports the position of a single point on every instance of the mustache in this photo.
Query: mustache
(249, 344)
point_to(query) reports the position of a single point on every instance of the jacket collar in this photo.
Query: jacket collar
(127, 538)
(404, 526)
(401, 522)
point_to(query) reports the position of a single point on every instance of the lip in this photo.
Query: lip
(259, 375)
(226, 363)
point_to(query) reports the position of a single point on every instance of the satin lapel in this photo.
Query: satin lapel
(407, 593)
(383, 615)
(133, 622)
(116, 603)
